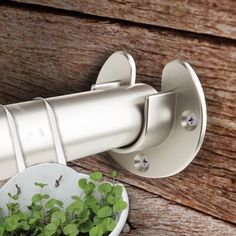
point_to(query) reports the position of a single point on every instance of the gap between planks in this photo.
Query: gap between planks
(204, 17)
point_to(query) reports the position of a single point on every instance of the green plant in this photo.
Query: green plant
(86, 215)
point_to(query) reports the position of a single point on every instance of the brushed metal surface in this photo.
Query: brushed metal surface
(150, 134)
(177, 151)
(119, 67)
(159, 114)
(89, 123)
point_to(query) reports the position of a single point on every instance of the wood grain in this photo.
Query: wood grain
(47, 53)
(158, 216)
(205, 16)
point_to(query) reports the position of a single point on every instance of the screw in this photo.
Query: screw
(189, 120)
(141, 162)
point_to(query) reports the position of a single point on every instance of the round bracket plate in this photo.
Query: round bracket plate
(119, 67)
(185, 139)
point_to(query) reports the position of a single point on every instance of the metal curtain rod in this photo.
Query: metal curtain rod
(151, 134)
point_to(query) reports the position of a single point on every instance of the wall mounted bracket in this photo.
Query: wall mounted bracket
(150, 134)
(174, 121)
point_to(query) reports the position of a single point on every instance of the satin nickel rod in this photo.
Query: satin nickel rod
(150, 134)
(89, 123)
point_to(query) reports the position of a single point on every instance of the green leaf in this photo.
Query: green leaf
(22, 215)
(58, 218)
(76, 207)
(11, 223)
(60, 203)
(76, 198)
(13, 208)
(25, 225)
(89, 188)
(41, 185)
(2, 230)
(95, 209)
(51, 203)
(96, 231)
(82, 183)
(97, 220)
(84, 216)
(85, 227)
(114, 174)
(46, 196)
(104, 212)
(35, 207)
(35, 218)
(120, 206)
(96, 176)
(50, 229)
(71, 230)
(90, 201)
(118, 190)
(110, 199)
(105, 188)
(108, 224)
(54, 202)
(37, 198)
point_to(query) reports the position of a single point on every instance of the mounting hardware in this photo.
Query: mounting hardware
(189, 120)
(141, 162)
(150, 134)
(168, 146)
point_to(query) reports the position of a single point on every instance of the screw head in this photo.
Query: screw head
(189, 120)
(141, 162)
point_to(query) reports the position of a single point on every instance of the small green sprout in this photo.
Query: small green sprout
(87, 214)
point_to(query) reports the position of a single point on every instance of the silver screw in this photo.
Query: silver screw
(141, 162)
(189, 120)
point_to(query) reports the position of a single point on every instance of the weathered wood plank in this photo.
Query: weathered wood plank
(153, 215)
(207, 17)
(46, 54)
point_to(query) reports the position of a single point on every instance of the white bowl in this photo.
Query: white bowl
(48, 173)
